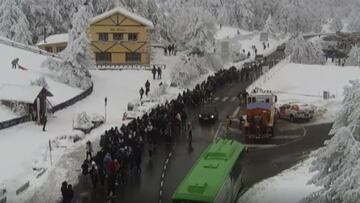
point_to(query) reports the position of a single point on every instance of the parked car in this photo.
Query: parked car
(208, 113)
(296, 112)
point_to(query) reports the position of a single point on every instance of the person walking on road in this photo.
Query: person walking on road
(147, 87)
(141, 91)
(69, 194)
(89, 150)
(94, 174)
(44, 123)
(63, 191)
(154, 72)
(190, 137)
(15, 63)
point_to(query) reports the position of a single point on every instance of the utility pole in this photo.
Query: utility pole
(105, 107)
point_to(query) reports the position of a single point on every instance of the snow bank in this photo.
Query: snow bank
(306, 83)
(288, 187)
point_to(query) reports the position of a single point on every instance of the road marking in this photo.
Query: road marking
(260, 145)
(225, 99)
(233, 99)
(236, 112)
(285, 137)
(216, 98)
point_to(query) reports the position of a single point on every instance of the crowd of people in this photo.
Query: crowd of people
(122, 149)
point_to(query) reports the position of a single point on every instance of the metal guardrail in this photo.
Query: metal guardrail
(73, 100)
(129, 67)
(13, 122)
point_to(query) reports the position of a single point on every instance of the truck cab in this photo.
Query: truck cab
(260, 114)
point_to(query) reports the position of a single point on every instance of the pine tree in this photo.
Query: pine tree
(354, 56)
(194, 29)
(336, 25)
(13, 23)
(305, 52)
(73, 69)
(337, 163)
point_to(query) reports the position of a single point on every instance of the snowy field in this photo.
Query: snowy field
(306, 83)
(32, 62)
(300, 83)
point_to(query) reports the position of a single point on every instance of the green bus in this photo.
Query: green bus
(216, 176)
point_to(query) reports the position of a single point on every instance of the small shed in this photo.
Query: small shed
(34, 99)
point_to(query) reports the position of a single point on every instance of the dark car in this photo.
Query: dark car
(208, 113)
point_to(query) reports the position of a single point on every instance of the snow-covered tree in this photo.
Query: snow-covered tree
(238, 13)
(305, 52)
(354, 22)
(336, 25)
(13, 23)
(337, 163)
(73, 69)
(270, 26)
(354, 56)
(194, 29)
(351, 107)
(40, 82)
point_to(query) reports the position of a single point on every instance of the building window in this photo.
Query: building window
(132, 36)
(133, 57)
(103, 37)
(49, 49)
(118, 36)
(103, 57)
(59, 49)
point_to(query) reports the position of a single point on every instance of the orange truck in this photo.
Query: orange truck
(261, 115)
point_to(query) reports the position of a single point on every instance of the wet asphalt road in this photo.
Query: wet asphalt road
(291, 144)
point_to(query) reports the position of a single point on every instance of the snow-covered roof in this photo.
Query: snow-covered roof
(125, 13)
(20, 93)
(54, 39)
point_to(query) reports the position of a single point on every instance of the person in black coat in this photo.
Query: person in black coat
(63, 191)
(69, 194)
(147, 87)
(159, 73)
(141, 91)
(154, 72)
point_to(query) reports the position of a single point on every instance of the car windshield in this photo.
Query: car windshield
(208, 109)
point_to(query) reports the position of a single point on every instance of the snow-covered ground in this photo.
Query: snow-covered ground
(306, 83)
(32, 62)
(247, 39)
(300, 83)
(287, 187)
(120, 87)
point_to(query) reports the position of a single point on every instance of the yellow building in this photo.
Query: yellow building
(118, 37)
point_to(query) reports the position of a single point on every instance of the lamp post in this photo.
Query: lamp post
(105, 107)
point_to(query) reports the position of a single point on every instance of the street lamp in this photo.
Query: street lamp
(105, 107)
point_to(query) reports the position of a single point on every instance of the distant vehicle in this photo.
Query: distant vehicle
(260, 115)
(208, 113)
(296, 112)
(215, 177)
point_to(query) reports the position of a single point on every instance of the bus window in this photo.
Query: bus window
(253, 99)
(267, 100)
